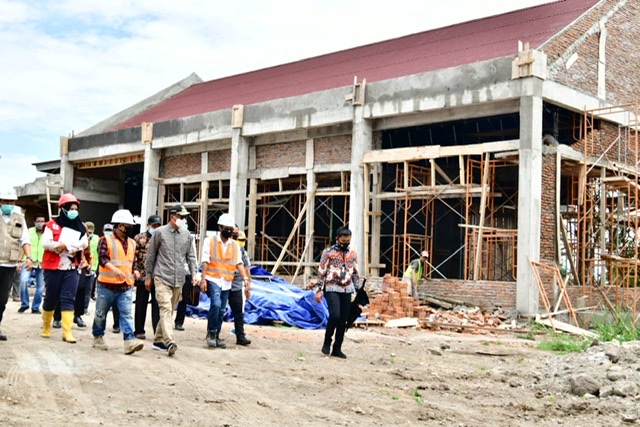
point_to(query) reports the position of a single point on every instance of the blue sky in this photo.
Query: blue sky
(68, 64)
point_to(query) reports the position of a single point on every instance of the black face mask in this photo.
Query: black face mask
(343, 246)
(226, 233)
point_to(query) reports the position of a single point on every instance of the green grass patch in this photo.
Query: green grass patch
(616, 327)
(564, 344)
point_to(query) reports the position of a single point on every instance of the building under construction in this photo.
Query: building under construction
(492, 144)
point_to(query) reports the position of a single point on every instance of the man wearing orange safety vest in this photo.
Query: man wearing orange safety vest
(115, 281)
(221, 258)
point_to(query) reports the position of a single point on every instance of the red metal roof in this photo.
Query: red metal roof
(465, 43)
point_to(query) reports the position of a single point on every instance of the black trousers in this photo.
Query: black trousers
(181, 311)
(142, 301)
(338, 303)
(236, 305)
(7, 274)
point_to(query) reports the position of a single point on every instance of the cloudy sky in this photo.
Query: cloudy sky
(68, 64)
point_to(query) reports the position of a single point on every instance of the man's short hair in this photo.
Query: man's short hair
(343, 231)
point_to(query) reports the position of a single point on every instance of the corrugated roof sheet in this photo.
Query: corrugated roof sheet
(479, 40)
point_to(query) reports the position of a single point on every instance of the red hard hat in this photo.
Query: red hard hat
(68, 198)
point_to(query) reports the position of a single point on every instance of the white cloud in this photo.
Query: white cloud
(16, 169)
(69, 64)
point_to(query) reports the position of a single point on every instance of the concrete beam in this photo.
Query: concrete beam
(149, 203)
(238, 177)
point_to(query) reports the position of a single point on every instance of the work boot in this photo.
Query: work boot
(337, 352)
(99, 344)
(242, 340)
(67, 321)
(78, 321)
(219, 342)
(131, 346)
(47, 316)
(56, 324)
(326, 346)
(211, 339)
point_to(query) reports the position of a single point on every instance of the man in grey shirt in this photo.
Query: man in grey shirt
(169, 249)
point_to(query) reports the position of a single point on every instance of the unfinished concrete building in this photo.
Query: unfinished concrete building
(489, 143)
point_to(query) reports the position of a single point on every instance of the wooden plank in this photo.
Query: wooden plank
(405, 322)
(574, 330)
(483, 208)
(399, 155)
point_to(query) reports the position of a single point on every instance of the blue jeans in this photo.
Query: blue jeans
(105, 299)
(218, 299)
(24, 288)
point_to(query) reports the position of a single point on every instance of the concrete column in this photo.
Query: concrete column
(66, 167)
(149, 184)
(529, 194)
(362, 141)
(310, 217)
(238, 181)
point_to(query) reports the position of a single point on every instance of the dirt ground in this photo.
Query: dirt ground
(392, 377)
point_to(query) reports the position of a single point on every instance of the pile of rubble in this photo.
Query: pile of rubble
(394, 302)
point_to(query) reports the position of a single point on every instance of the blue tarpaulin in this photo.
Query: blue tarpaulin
(273, 299)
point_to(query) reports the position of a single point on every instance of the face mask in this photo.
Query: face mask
(343, 246)
(226, 233)
(107, 233)
(180, 222)
(7, 209)
(71, 214)
(151, 231)
(185, 226)
(39, 225)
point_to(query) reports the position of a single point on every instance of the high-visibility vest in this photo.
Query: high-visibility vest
(124, 261)
(10, 235)
(411, 273)
(222, 261)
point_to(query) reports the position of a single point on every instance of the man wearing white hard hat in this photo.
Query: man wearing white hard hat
(13, 236)
(115, 282)
(170, 248)
(221, 257)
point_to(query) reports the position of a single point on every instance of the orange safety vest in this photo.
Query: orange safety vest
(124, 261)
(222, 263)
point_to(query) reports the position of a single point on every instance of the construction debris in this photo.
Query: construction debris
(395, 308)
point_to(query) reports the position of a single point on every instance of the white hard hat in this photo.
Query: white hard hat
(226, 220)
(122, 216)
(8, 194)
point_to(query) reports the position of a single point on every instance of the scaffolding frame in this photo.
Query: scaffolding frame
(603, 236)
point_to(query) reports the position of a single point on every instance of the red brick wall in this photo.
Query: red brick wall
(282, 154)
(219, 161)
(333, 149)
(601, 141)
(622, 56)
(182, 165)
(548, 214)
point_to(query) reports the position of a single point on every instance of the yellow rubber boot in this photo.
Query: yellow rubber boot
(47, 317)
(67, 322)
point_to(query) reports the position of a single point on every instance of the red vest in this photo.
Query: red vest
(50, 259)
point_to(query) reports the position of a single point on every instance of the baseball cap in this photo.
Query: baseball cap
(178, 210)
(153, 220)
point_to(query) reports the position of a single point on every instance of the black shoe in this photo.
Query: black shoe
(36, 311)
(326, 349)
(172, 348)
(78, 321)
(339, 354)
(220, 343)
(56, 324)
(160, 346)
(23, 309)
(242, 340)
(115, 330)
(179, 327)
(3, 337)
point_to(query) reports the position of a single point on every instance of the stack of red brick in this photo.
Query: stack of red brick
(395, 302)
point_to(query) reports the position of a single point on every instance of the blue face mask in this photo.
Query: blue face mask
(71, 214)
(152, 231)
(7, 209)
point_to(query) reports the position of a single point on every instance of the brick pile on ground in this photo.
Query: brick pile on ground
(394, 302)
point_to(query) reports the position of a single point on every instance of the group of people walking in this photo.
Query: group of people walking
(68, 259)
